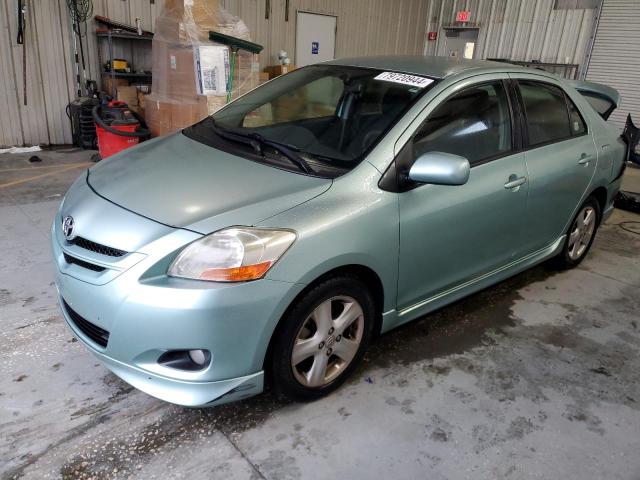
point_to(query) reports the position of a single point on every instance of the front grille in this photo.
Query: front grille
(83, 264)
(94, 332)
(96, 247)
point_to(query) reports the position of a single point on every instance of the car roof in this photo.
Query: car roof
(434, 67)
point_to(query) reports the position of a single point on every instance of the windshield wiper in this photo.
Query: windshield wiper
(236, 137)
(257, 141)
(285, 149)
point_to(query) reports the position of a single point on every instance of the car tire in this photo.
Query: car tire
(580, 236)
(322, 338)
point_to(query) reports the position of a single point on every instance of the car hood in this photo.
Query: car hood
(182, 183)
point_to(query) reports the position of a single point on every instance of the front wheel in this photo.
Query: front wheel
(322, 338)
(581, 234)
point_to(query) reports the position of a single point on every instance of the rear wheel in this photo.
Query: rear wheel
(581, 234)
(322, 338)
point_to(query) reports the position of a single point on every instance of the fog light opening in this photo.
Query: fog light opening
(189, 360)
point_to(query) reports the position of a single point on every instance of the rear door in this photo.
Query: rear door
(560, 156)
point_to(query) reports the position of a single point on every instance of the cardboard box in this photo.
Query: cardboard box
(128, 94)
(263, 77)
(143, 87)
(164, 117)
(158, 117)
(109, 86)
(215, 103)
(277, 70)
(186, 114)
(141, 98)
(200, 16)
(181, 74)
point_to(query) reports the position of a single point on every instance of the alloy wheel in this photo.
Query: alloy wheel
(327, 342)
(582, 232)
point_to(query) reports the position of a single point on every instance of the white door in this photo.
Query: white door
(315, 38)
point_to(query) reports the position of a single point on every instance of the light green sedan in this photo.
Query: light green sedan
(276, 238)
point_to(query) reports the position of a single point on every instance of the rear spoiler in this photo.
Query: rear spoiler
(602, 98)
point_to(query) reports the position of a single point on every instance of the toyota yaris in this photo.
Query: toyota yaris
(278, 236)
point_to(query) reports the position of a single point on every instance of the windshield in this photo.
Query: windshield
(325, 113)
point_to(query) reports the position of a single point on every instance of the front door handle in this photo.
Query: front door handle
(515, 183)
(584, 159)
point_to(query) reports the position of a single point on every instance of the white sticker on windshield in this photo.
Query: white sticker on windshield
(405, 79)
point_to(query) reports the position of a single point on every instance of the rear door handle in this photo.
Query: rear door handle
(515, 183)
(585, 159)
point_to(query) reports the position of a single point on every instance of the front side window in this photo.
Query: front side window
(475, 123)
(546, 112)
(327, 114)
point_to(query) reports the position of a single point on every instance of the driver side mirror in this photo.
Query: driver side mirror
(440, 168)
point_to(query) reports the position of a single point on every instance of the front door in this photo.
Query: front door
(450, 235)
(561, 160)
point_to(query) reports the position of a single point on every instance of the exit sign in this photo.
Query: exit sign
(463, 16)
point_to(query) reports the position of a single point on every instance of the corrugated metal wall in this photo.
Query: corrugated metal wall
(615, 59)
(364, 27)
(43, 118)
(516, 29)
(50, 69)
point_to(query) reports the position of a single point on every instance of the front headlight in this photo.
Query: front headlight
(232, 255)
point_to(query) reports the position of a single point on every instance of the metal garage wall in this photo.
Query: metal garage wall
(42, 118)
(50, 70)
(364, 27)
(615, 58)
(517, 29)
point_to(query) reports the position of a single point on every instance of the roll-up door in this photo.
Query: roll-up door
(615, 58)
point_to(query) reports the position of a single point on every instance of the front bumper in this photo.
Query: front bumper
(146, 315)
(173, 390)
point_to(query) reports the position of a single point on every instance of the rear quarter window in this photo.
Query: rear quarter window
(577, 123)
(599, 104)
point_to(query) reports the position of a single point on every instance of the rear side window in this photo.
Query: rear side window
(546, 112)
(475, 123)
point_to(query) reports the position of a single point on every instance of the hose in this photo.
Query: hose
(625, 226)
(80, 10)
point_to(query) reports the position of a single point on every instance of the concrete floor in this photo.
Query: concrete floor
(537, 377)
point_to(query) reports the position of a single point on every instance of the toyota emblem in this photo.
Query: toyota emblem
(67, 227)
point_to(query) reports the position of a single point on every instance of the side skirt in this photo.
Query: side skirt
(395, 318)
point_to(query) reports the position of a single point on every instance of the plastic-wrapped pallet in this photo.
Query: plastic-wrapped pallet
(191, 73)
